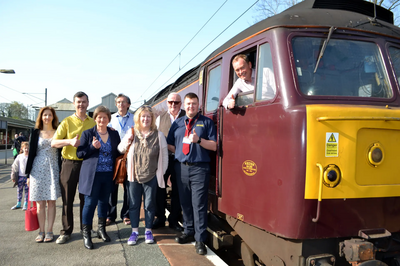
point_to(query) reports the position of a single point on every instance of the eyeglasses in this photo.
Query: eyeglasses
(174, 102)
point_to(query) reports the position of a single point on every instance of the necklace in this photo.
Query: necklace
(102, 133)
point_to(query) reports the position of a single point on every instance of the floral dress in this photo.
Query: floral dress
(45, 173)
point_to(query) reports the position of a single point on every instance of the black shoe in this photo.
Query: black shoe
(158, 223)
(176, 227)
(184, 238)
(87, 238)
(200, 248)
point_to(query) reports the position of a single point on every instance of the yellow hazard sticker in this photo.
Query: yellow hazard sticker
(332, 144)
(249, 167)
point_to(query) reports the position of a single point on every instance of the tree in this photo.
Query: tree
(4, 109)
(17, 110)
(269, 8)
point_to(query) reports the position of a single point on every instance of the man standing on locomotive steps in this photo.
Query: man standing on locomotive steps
(191, 138)
(122, 121)
(163, 123)
(67, 137)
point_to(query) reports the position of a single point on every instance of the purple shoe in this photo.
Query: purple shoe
(149, 237)
(133, 239)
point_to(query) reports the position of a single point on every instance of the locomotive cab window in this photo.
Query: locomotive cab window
(213, 87)
(266, 88)
(395, 57)
(345, 68)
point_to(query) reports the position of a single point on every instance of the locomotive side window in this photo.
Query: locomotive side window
(266, 89)
(213, 88)
(395, 57)
(346, 68)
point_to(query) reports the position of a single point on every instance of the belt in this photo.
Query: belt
(189, 164)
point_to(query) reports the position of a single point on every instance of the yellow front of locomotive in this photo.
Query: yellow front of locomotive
(352, 152)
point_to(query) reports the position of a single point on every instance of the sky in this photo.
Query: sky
(101, 47)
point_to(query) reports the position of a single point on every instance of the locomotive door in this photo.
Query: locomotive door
(210, 108)
(244, 142)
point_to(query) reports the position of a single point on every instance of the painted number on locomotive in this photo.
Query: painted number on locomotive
(332, 144)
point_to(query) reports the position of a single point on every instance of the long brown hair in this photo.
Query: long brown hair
(39, 121)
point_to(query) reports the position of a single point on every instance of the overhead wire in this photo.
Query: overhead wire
(199, 51)
(183, 48)
(30, 97)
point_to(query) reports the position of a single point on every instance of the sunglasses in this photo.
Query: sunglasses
(175, 102)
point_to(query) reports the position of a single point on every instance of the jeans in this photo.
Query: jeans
(148, 190)
(101, 190)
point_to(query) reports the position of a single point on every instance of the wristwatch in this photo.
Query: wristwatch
(198, 142)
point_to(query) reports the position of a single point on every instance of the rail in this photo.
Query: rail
(321, 119)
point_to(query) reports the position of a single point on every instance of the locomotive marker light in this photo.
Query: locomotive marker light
(331, 176)
(375, 155)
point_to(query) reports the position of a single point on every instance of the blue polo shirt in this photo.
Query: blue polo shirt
(205, 129)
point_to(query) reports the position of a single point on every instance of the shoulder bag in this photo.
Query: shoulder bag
(120, 171)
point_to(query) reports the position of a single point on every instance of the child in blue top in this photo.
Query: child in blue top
(20, 164)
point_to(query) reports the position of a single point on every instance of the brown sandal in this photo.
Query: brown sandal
(40, 237)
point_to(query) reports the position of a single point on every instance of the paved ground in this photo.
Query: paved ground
(18, 247)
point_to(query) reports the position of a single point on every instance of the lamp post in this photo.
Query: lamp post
(6, 71)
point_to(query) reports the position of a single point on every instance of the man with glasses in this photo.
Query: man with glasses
(163, 123)
(122, 121)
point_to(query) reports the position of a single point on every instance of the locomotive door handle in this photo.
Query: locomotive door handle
(321, 176)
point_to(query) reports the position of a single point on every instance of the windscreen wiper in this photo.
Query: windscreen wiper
(321, 53)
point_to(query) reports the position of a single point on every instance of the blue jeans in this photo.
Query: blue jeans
(101, 190)
(136, 190)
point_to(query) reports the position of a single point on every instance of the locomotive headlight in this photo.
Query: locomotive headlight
(375, 154)
(332, 176)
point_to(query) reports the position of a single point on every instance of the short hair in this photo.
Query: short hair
(23, 144)
(122, 95)
(174, 93)
(139, 111)
(39, 121)
(191, 95)
(243, 56)
(102, 109)
(80, 94)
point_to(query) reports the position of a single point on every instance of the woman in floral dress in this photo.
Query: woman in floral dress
(44, 171)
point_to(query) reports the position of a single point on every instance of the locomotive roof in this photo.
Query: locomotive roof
(356, 14)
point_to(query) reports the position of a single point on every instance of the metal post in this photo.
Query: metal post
(45, 97)
(5, 158)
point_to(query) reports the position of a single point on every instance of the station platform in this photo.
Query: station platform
(18, 247)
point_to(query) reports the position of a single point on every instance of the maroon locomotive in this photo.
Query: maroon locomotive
(306, 174)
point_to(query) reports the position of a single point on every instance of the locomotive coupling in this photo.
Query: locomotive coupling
(357, 251)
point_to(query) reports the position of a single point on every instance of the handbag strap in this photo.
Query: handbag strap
(127, 150)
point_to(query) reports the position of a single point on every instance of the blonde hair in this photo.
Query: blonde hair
(138, 113)
(23, 144)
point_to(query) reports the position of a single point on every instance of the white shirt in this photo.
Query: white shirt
(121, 123)
(239, 86)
